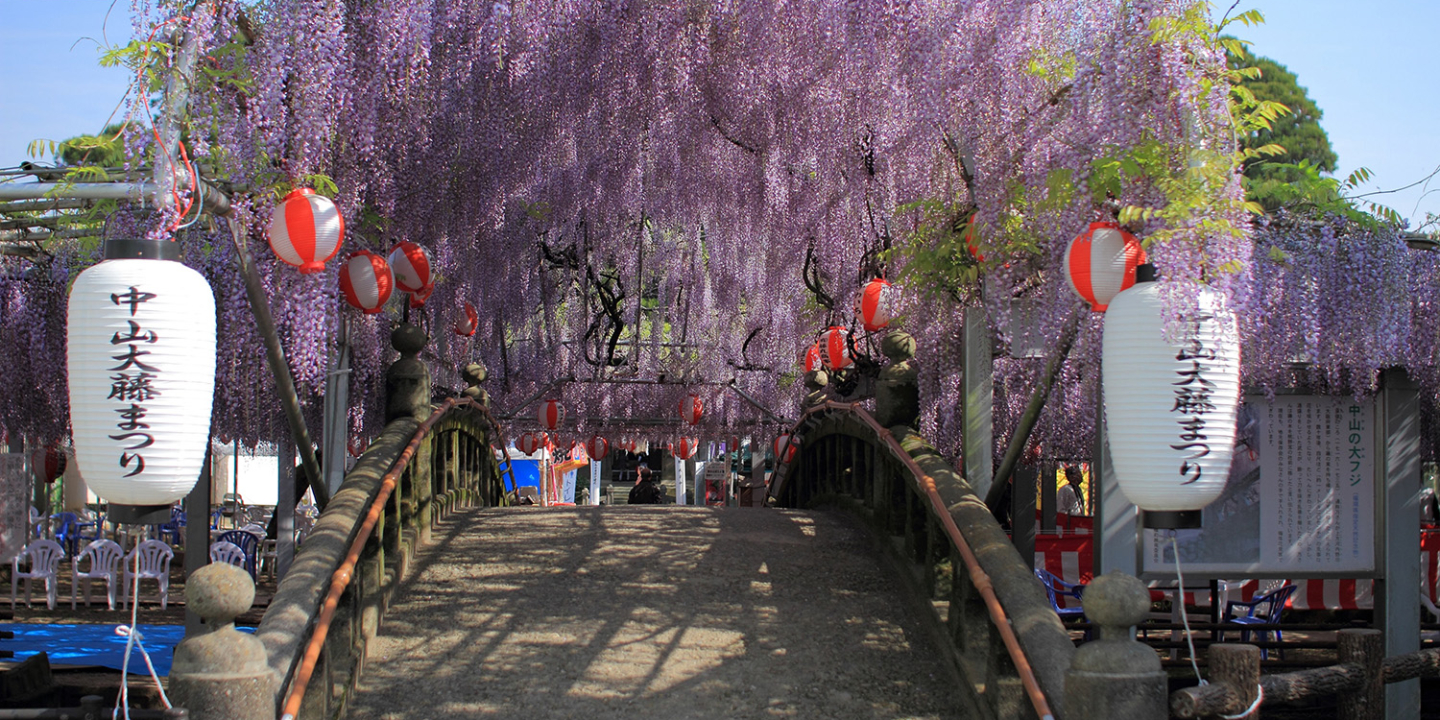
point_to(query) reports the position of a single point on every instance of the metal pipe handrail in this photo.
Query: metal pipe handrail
(340, 579)
(978, 577)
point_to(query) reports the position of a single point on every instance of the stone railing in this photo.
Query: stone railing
(427, 462)
(999, 624)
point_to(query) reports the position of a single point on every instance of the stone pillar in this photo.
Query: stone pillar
(1115, 677)
(474, 374)
(815, 382)
(407, 380)
(897, 390)
(221, 673)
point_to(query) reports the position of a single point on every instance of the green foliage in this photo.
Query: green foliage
(106, 150)
(1297, 130)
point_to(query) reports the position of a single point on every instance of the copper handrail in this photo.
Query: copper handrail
(341, 578)
(978, 577)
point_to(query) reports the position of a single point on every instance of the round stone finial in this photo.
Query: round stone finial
(1116, 600)
(898, 345)
(219, 592)
(474, 373)
(816, 379)
(408, 339)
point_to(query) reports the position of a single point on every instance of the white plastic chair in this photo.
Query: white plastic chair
(44, 557)
(155, 558)
(105, 556)
(227, 552)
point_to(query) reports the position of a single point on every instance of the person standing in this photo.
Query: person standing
(1067, 497)
(645, 492)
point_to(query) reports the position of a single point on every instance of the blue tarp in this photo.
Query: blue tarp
(95, 644)
(527, 472)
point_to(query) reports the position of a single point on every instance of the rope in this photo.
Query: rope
(132, 639)
(1185, 617)
(1259, 698)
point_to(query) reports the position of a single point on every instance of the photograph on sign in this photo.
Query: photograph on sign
(1300, 498)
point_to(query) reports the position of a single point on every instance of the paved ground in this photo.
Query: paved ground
(653, 612)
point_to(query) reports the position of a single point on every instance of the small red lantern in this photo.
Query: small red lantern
(48, 464)
(1101, 262)
(835, 348)
(597, 448)
(551, 414)
(812, 358)
(691, 409)
(357, 445)
(411, 264)
(685, 447)
(970, 239)
(783, 449)
(876, 305)
(530, 443)
(306, 230)
(467, 325)
(366, 281)
(628, 445)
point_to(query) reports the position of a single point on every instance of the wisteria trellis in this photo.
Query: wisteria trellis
(691, 151)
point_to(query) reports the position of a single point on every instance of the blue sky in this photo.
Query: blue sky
(1370, 68)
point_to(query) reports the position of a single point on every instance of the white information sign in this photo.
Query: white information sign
(717, 477)
(1300, 499)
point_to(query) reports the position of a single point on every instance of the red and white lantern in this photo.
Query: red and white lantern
(877, 305)
(812, 358)
(835, 348)
(306, 230)
(551, 414)
(469, 321)
(411, 265)
(784, 451)
(597, 448)
(685, 447)
(531, 443)
(692, 408)
(366, 282)
(628, 445)
(1101, 262)
(47, 464)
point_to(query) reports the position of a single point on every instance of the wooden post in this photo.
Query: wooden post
(977, 404)
(1022, 515)
(1366, 648)
(1237, 668)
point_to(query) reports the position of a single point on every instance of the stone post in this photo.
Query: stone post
(407, 380)
(897, 390)
(221, 673)
(815, 382)
(1115, 677)
(474, 374)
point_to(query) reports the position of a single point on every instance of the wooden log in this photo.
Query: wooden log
(1365, 648)
(1214, 699)
(1425, 663)
(1234, 684)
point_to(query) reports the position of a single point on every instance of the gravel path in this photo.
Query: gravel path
(653, 612)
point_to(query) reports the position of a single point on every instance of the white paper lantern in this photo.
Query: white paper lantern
(692, 409)
(141, 353)
(1170, 406)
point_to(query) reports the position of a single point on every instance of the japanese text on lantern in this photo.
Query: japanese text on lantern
(133, 382)
(1194, 399)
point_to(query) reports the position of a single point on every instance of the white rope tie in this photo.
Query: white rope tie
(1259, 698)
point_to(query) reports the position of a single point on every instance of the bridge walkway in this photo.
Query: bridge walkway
(654, 612)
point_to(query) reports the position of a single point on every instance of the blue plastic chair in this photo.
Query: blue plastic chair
(1055, 588)
(1261, 610)
(175, 528)
(67, 532)
(247, 542)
